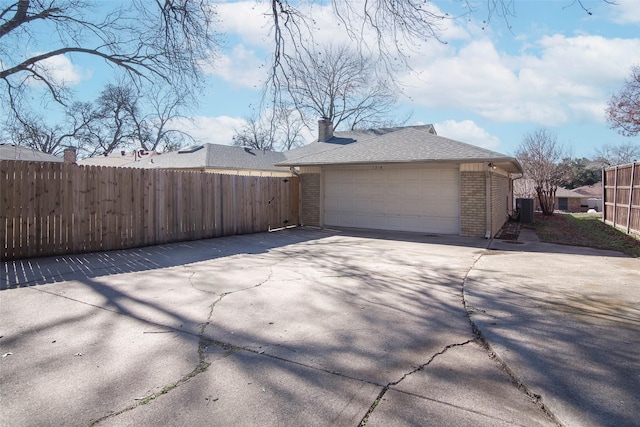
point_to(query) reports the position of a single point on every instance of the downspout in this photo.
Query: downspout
(513, 198)
(292, 169)
(487, 202)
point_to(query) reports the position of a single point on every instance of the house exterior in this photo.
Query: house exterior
(591, 196)
(217, 158)
(404, 179)
(566, 200)
(16, 152)
(570, 201)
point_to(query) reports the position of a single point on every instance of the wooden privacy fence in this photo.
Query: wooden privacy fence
(57, 208)
(621, 198)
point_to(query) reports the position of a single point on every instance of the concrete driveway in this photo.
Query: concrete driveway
(566, 321)
(300, 327)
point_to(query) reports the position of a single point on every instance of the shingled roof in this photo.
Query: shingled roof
(15, 152)
(215, 156)
(393, 145)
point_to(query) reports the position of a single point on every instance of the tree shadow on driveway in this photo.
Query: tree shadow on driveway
(566, 321)
(244, 330)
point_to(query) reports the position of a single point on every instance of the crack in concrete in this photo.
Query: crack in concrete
(390, 385)
(520, 385)
(203, 344)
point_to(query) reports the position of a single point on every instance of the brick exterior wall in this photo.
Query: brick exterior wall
(473, 190)
(499, 202)
(574, 204)
(310, 199)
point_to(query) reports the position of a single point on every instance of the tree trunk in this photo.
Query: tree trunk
(547, 198)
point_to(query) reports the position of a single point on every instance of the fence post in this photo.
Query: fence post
(615, 196)
(604, 194)
(633, 171)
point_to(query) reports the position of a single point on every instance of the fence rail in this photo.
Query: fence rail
(57, 208)
(621, 197)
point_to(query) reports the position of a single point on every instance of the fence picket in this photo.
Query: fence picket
(7, 215)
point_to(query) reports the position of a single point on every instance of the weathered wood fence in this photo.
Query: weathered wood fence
(621, 198)
(56, 208)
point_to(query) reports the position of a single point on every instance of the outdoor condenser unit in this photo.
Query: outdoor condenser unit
(525, 207)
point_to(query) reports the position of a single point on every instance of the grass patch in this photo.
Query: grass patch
(578, 229)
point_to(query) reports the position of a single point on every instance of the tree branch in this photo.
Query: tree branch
(21, 16)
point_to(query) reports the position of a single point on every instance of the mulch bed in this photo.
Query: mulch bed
(510, 231)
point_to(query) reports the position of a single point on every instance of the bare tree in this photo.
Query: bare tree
(341, 85)
(254, 135)
(161, 40)
(113, 126)
(626, 152)
(120, 118)
(34, 131)
(289, 126)
(540, 154)
(623, 111)
(278, 130)
(152, 116)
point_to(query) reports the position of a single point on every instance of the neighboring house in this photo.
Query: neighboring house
(566, 200)
(15, 152)
(591, 196)
(220, 159)
(405, 179)
(569, 201)
(116, 159)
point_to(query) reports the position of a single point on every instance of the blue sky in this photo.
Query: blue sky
(556, 68)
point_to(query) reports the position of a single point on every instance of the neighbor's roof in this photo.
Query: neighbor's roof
(117, 158)
(214, 156)
(393, 145)
(569, 194)
(592, 191)
(15, 152)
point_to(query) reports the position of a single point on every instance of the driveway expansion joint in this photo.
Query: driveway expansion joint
(515, 379)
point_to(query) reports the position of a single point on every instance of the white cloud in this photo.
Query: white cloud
(241, 67)
(247, 20)
(625, 11)
(62, 71)
(467, 131)
(559, 79)
(549, 81)
(248, 27)
(214, 130)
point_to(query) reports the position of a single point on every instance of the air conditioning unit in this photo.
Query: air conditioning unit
(525, 207)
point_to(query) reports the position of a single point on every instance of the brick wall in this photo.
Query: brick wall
(574, 204)
(310, 199)
(499, 201)
(472, 204)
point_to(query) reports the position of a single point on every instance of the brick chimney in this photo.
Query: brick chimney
(325, 129)
(70, 155)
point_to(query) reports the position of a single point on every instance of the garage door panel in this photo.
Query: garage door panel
(409, 199)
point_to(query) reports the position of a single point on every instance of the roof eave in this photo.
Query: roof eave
(511, 165)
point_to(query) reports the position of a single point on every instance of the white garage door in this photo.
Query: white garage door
(388, 198)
